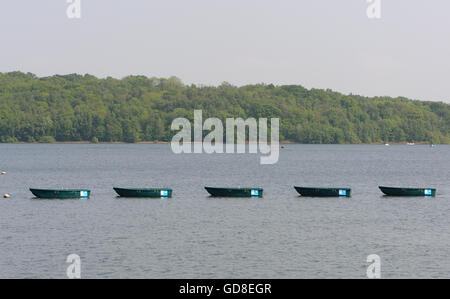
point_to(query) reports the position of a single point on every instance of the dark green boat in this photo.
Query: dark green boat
(397, 191)
(143, 192)
(235, 192)
(61, 193)
(323, 192)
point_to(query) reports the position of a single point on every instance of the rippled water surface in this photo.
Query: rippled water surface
(194, 236)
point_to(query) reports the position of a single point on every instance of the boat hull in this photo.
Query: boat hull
(396, 191)
(143, 192)
(323, 192)
(60, 193)
(235, 192)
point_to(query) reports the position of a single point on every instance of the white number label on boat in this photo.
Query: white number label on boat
(83, 193)
(427, 191)
(164, 193)
(342, 192)
(254, 192)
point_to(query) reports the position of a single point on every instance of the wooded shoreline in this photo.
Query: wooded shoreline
(74, 108)
(167, 142)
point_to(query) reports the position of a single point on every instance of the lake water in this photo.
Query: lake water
(194, 236)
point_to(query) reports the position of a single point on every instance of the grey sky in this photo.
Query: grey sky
(315, 43)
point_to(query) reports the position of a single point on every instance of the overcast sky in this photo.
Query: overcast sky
(314, 43)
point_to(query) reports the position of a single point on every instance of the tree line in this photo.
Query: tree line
(137, 108)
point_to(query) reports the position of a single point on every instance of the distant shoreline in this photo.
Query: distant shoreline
(167, 142)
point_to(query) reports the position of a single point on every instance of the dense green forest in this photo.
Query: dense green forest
(136, 108)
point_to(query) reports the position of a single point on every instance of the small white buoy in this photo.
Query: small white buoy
(3, 172)
(7, 195)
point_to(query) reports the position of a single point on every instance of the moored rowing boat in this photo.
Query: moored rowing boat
(60, 193)
(323, 192)
(399, 191)
(235, 192)
(143, 192)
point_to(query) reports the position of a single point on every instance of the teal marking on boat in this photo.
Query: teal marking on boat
(164, 193)
(83, 193)
(428, 192)
(342, 192)
(254, 193)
